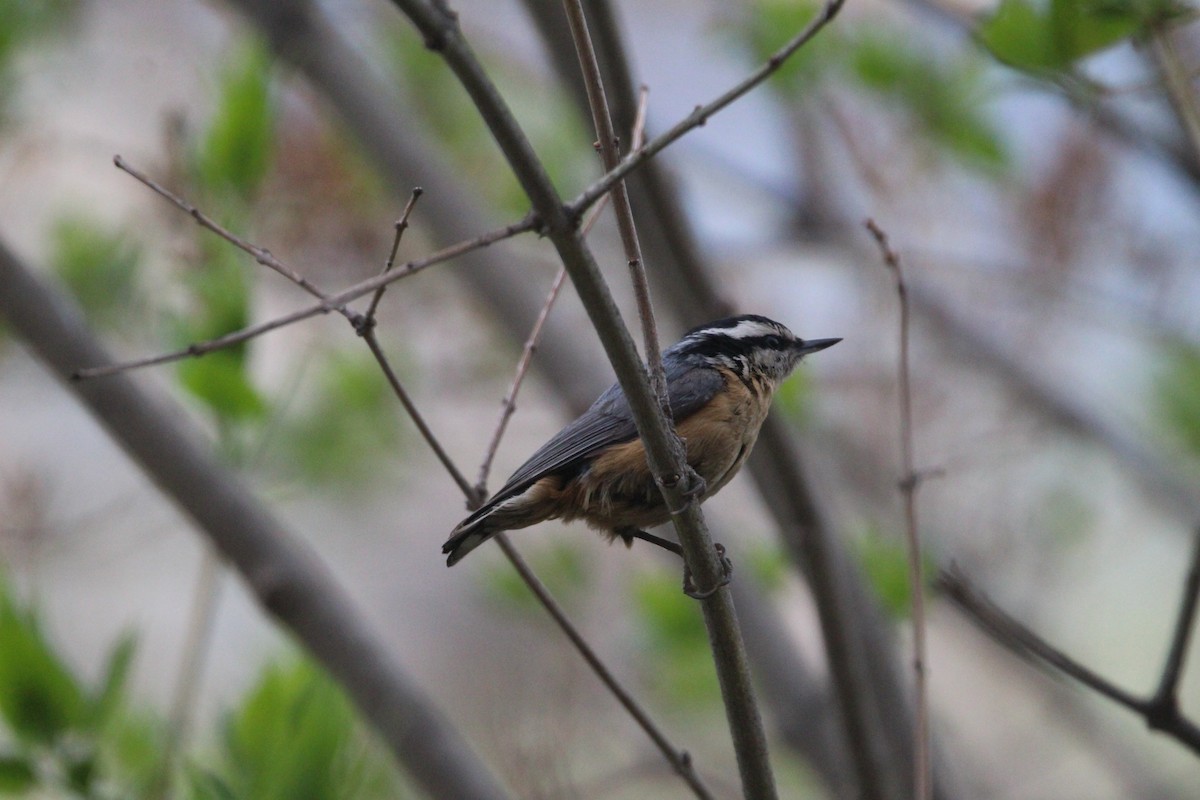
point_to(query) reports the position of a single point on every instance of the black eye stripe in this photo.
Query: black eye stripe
(718, 345)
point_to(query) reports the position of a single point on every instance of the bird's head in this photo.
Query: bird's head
(751, 345)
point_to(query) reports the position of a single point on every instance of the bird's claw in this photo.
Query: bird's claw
(689, 586)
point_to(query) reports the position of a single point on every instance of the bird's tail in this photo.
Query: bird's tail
(470, 533)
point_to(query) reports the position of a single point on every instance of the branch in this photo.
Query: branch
(733, 668)
(440, 28)
(335, 302)
(680, 760)
(871, 718)
(922, 772)
(287, 580)
(700, 114)
(1161, 715)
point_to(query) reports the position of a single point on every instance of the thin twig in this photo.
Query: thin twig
(259, 254)
(509, 406)
(418, 420)
(1024, 642)
(700, 114)
(922, 769)
(401, 226)
(610, 155)
(196, 644)
(1167, 694)
(335, 302)
(680, 760)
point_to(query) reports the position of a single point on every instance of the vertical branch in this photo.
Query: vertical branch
(922, 772)
(610, 155)
(729, 652)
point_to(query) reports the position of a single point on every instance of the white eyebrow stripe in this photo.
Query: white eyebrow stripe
(746, 329)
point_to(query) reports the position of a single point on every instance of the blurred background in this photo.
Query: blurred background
(1034, 165)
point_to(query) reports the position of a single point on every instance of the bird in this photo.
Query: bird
(721, 377)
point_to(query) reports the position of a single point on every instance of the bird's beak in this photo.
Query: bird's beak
(804, 347)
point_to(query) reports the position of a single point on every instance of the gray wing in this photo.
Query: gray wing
(609, 421)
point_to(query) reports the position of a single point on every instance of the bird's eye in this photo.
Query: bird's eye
(773, 342)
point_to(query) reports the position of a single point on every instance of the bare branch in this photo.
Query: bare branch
(285, 578)
(509, 405)
(335, 302)
(922, 769)
(606, 139)
(259, 254)
(400, 226)
(700, 115)
(700, 554)
(1024, 642)
(1167, 695)
(679, 760)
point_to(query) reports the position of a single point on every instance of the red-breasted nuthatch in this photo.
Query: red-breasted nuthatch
(720, 379)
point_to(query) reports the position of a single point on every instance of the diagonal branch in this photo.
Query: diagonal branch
(1164, 717)
(335, 302)
(288, 581)
(701, 114)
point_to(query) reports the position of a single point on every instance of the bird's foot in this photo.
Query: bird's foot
(689, 586)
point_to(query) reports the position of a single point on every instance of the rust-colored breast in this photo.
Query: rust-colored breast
(618, 490)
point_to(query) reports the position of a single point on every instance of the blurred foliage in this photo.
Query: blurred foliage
(944, 97)
(945, 100)
(350, 422)
(884, 560)
(678, 653)
(1053, 36)
(549, 119)
(100, 266)
(22, 23)
(295, 737)
(562, 567)
(1177, 397)
(793, 398)
(62, 735)
(769, 565)
(235, 153)
(220, 295)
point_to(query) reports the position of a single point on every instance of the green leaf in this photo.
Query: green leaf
(884, 560)
(771, 23)
(237, 149)
(338, 439)
(206, 785)
(946, 100)
(293, 738)
(39, 697)
(17, 775)
(219, 380)
(108, 700)
(1042, 38)
(1177, 396)
(100, 266)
